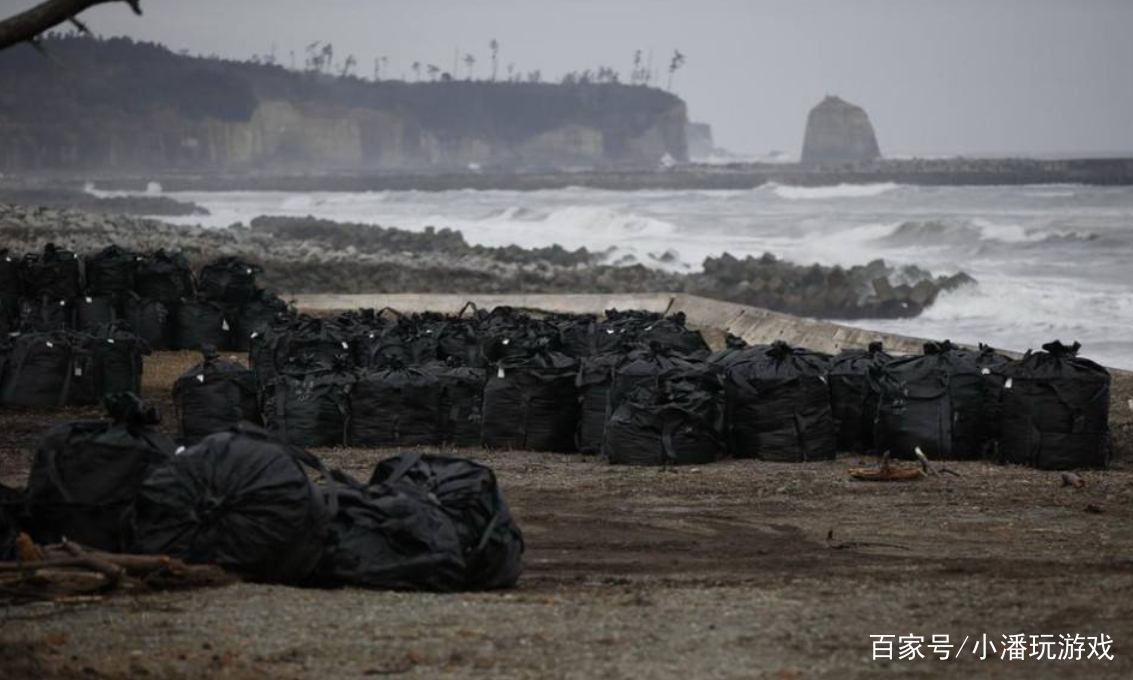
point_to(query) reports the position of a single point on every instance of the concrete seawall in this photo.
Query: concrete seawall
(755, 325)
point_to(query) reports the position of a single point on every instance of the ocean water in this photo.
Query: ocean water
(1052, 261)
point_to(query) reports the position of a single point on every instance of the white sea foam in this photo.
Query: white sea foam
(796, 193)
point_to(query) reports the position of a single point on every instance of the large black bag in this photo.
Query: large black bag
(45, 315)
(110, 272)
(733, 350)
(532, 403)
(853, 398)
(11, 288)
(317, 341)
(119, 359)
(647, 365)
(151, 320)
(9, 316)
(397, 406)
(164, 276)
(55, 274)
(391, 537)
(462, 396)
(308, 409)
(240, 499)
(778, 405)
(229, 280)
(671, 332)
(676, 420)
(491, 540)
(86, 474)
(200, 323)
(255, 316)
(92, 312)
(595, 381)
(39, 371)
(939, 401)
(12, 509)
(1055, 410)
(213, 396)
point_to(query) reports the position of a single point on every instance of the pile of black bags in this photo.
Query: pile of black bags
(69, 368)
(155, 295)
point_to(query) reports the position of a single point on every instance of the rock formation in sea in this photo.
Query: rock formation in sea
(839, 132)
(700, 143)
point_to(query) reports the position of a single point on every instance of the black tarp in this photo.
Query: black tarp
(199, 322)
(86, 474)
(1055, 410)
(853, 398)
(462, 396)
(213, 396)
(595, 380)
(110, 272)
(164, 276)
(91, 312)
(150, 320)
(308, 408)
(939, 401)
(393, 538)
(229, 280)
(55, 273)
(531, 403)
(674, 420)
(39, 371)
(395, 406)
(45, 315)
(778, 405)
(240, 499)
(492, 542)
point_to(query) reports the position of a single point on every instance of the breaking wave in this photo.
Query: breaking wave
(795, 193)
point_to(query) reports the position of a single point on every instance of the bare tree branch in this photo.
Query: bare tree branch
(28, 25)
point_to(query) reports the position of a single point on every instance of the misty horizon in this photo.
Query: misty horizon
(1021, 78)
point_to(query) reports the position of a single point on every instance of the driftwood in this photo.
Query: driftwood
(885, 472)
(63, 571)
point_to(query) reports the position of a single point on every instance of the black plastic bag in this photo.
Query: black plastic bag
(199, 323)
(86, 474)
(853, 399)
(45, 315)
(315, 341)
(733, 350)
(491, 540)
(110, 272)
(532, 404)
(164, 276)
(256, 316)
(119, 359)
(39, 371)
(151, 320)
(671, 332)
(595, 382)
(462, 397)
(778, 405)
(92, 312)
(213, 396)
(308, 409)
(229, 280)
(240, 499)
(55, 274)
(939, 401)
(396, 406)
(648, 364)
(391, 537)
(1055, 410)
(11, 287)
(676, 420)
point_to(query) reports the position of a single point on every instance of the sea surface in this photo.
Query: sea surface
(1052, 261)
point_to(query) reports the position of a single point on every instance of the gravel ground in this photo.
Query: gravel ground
(721, 571)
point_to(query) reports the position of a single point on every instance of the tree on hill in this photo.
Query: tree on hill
(28, 25)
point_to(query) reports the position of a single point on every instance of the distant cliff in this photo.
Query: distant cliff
(839, 132)
(121, 106)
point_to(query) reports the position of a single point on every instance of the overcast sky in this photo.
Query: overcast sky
(936, 76)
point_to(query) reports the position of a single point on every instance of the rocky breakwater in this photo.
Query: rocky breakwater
(875, 290)
(308, 255)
